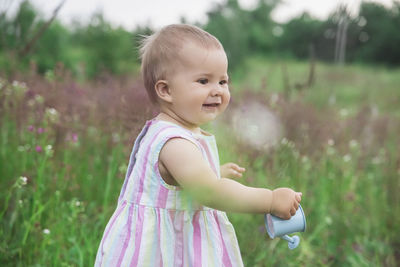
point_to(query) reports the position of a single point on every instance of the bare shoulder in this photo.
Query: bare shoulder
(184, 161)
(178, 148)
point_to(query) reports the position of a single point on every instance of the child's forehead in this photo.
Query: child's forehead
(192, 54)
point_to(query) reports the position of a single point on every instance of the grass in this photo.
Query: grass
(75, 156)
(342, 86)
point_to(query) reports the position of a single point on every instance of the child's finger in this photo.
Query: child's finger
(237, 168)
(298, 196)
(292, 211)
(236, 173)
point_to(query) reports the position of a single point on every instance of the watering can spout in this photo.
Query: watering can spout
(293, 241)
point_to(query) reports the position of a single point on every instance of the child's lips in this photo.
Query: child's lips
(211, 105)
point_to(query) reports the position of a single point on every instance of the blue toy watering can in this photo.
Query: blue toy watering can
(277, 227)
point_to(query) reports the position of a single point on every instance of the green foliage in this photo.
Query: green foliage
(106, 48)
(89, 50)
(303, 31)
(63, 160)
(52, 49)
(382, 31)
(231, 25)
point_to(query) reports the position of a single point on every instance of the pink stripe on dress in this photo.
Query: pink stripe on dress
(196, 240)
(225, 257)
(128, 237)
(145, 162)
(138, 236)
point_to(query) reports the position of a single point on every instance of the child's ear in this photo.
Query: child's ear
(163, 90)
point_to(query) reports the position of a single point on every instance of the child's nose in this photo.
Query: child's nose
(216, 90)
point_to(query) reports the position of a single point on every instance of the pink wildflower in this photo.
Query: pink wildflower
(40, 130)
(31, 128)
(74, 137)
(39, 149)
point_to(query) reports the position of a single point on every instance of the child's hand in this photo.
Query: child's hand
(231, 170)
(285, 202)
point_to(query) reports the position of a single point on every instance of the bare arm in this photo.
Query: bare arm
(187, 166)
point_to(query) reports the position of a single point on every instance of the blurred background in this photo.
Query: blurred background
(315, 106)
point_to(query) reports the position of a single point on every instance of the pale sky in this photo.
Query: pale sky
(130, 13)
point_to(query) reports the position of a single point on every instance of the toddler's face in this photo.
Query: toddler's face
(199, 84)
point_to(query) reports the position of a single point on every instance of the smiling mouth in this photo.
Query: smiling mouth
(211, 105)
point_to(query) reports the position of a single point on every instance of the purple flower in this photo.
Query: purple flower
(31, 128)
(40, 130)
(39, 149)
(74, 137)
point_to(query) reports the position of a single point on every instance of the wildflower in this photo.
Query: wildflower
(39, 149)
(290, 144)
(40, 130)
(19, 87)
(46, 231)
(51, 114)
(49, 150)
(23, 180)
(353, 143)
(344, 112)
(328, 220)
(31, 102)
(31, 128)
(331, 142)
(77, 203)
(284, 141)
(74, 137)
(346, 158)
(39, 99)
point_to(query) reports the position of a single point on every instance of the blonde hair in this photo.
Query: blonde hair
(159, 50)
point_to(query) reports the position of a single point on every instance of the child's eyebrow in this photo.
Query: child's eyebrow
(224, 76)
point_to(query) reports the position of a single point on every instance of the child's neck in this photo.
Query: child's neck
(165, 116)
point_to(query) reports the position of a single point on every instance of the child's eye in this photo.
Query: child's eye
(223, 82)
(203, 81)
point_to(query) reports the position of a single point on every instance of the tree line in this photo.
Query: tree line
(372, 36)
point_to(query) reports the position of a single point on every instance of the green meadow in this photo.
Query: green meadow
(65, 145)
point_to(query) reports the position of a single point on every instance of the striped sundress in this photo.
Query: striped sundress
(157, 224)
